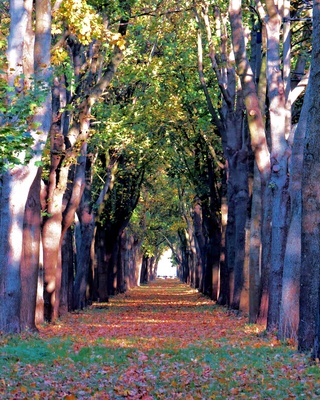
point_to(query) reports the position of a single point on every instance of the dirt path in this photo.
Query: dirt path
(161, 341)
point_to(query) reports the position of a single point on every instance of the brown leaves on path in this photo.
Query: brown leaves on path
(164, 312)
(160, 341)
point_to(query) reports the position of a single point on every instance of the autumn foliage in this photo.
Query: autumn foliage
(159, 341)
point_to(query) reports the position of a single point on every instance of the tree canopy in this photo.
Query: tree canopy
(136, 126)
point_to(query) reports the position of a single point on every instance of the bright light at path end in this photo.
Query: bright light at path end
(165, 267)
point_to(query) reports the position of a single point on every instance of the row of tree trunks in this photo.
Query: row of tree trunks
(148, 269)
(260, 243)
(114, 267)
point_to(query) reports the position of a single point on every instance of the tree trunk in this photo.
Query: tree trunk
(212, 228)
(201, 242)
(224, 289)
(289, 310)
(137, 263)
(144, 270)
(255, 249)
(84, 253)
(67, 272)
(14, 193)
(101, 266)
(309, 331)
(51, 237)
(279, 164)
(240, 183)
(30, 256)
(16, 182)
(266, 233)
(257, 133)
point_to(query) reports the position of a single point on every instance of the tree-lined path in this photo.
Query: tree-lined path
(158, 341)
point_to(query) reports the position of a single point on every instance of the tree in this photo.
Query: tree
(289, 311)
(308, 337)
(71, 129)
(16, 180)
(272, 153)
(231, 127)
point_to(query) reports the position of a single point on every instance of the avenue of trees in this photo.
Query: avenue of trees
(129, 127)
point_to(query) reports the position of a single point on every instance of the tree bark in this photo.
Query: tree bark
(224, 289)
(258, 138)
(279, 163)
(16, 182)
(67, 272)
(289, 310)
(30, 256)
(255, 249)
(309, 331)
(77, 136)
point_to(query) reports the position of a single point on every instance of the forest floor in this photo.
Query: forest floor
(160, 341)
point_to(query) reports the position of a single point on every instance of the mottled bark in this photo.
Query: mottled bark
(64, 150)
(67, 272)
(52, 226)
(16, 182)
(88, 215)
(251, 100)
(224, 289)
(255, 249)
(84, 245)
(289, 310)
(230, 126)
(260, 146)
(13, 198)
(30, 256)
(279, 162)
(240, 182)
(309, 326)
(266, 233)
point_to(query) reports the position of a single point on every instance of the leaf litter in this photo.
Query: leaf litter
(163, 340)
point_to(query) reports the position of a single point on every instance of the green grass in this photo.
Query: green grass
(34, 368)
(137, 347)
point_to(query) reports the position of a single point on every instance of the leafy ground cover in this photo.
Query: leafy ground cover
(161, 341)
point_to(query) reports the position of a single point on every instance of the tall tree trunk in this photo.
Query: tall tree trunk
(201, 242)
(84, 253)
(234, 145)
(137, 263)
(240, 182)
(224, 289)
(67, 272)
(266, 233)
(16, 182)
(212, 223)
(309, 325)
(255, 249)
(289, 310)
(255, 123)
(30, 256)
(75, 136)
(100, 291)
(279, 163)
(85, 240)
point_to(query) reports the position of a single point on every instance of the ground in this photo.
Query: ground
(159, 341)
